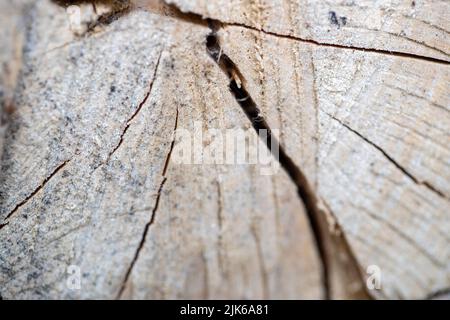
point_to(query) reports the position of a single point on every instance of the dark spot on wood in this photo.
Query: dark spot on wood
(335, 20)
(65, 174)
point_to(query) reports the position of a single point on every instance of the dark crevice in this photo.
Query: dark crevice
(138, 109)
(253, 113)
(153, 215)
(35, 191)
(392, 160)
(143, 238)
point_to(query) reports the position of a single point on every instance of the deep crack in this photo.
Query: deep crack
(248, 105)
(138, 109)
(153, 215)
(143, 238)
(198, 19)
(345, 47)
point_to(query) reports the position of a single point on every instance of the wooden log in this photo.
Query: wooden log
(95, 192)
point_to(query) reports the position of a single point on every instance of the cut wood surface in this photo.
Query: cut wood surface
(359, 93)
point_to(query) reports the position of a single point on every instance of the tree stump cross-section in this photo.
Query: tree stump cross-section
(94, 204)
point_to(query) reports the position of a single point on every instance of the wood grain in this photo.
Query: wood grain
(89, 175)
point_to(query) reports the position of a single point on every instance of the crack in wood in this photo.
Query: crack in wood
(253, 113)
(153, 214)
(171, 10)
(136, 112)
(198, 19)
(347, 47)
(166, 163)
(392, 160)
(35, 191)
(142, 242)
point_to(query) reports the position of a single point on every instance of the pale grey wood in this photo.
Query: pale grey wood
(88, 176)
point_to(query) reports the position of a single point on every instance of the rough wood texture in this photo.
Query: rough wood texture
(88, 177)
(13, 16)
